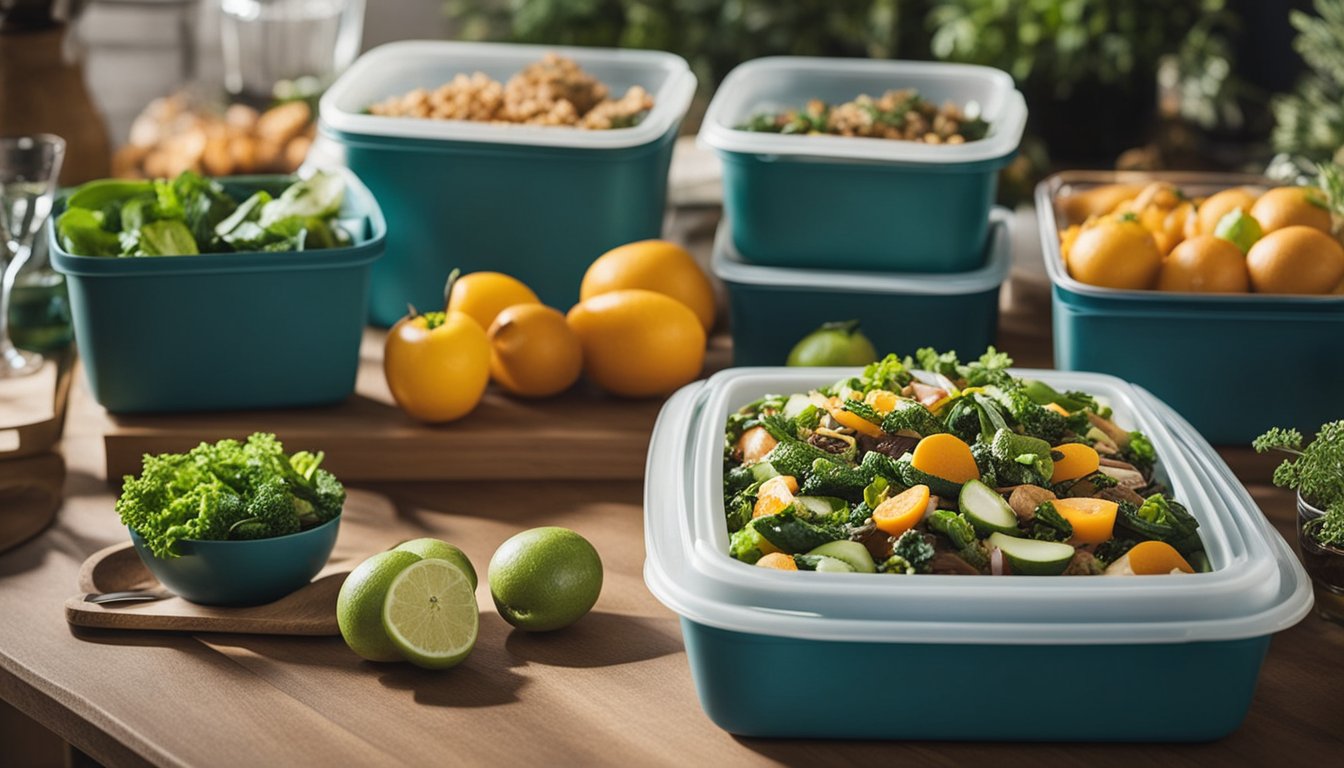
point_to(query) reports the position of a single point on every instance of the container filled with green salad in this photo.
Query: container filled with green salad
(882, 492)
(932, 465)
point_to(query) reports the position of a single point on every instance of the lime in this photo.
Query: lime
(834, 344)
(430, 614)
(359, 607)
(545, 578)
(1238, 228)
(435, 549)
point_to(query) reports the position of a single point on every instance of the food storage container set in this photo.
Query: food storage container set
(841, 655)
(908, 222)
(1233, 365)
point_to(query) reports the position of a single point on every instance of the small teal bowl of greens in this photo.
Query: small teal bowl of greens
(234, 522)
(195, 294)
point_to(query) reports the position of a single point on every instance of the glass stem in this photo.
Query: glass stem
(11, 272)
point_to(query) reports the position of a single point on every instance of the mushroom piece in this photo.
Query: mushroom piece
(1026, 498)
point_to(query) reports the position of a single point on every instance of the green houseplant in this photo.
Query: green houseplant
(1316, 472)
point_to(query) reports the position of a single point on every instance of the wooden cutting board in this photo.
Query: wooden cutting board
(368, 525)
(581, 435)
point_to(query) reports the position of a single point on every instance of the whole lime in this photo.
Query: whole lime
(359, 606)
(437, 549)
(1239, 228)
(545, 578)
(834, 344)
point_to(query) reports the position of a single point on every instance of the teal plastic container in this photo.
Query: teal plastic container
(251, 572)
(538, 203)
(228, 331)
(841, 643)
(772, 308)
(1194, 350)
(858, 203)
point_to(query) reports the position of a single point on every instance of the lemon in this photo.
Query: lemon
(653, 265)
(1292, 206)
(430, 614)
(483, 295)
(638, 343)
(533, 353)
(437, 365)
(545, 578)
(359, 606)
(434, 549)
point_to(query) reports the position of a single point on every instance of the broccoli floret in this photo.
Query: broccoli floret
(1049, 525)
(1140, 452)
(271, 511)
(897, 564)
(915, 549)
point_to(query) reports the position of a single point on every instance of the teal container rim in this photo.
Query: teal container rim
(208, 544)
(1072, 291)
(358, 203)
(493, 149)
(741, 94)
(727, 264)
(973, 167)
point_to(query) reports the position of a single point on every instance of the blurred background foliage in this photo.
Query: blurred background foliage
(1135, 83)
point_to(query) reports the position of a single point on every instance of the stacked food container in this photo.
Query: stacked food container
(1234, 365)
(852, 655)
(822, 228)
(536, 202)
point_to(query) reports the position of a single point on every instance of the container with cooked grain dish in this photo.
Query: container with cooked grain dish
(858, 164)
(495, 157)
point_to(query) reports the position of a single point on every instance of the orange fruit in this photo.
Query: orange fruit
(653, 265)
(1115, 252)
(1219, 204)
(1296, 259)
(1205, 264)
(638, 343)
(1290, 207)
(533, 353)
(483, 295)
(437, 365)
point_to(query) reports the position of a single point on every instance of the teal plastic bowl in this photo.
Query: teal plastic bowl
(839, 202)
(772, 308)
(226, 331)
(537, 203)
(242, 572)
(1194, 350)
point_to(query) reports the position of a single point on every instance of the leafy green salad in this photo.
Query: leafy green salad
(192, 215)
(228, 491)
(929, 465)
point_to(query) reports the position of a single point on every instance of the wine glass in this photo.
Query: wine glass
(29, 166)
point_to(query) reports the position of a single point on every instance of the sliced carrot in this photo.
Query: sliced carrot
(778, 561)
(1150, 558)
(903, 511)
(1079, 461)
(755, 443)
(1057, 408)
(775, 495)
(947, 457)
(882, 401)
(1093, 520)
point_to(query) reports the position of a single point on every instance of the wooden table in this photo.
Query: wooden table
(612, 690)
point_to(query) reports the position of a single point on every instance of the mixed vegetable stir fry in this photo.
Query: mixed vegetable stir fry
(929, 465)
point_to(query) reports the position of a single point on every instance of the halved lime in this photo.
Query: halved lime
(430, 614)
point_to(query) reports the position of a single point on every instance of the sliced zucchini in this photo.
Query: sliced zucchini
(986, 509)
(763, 470)
(821, 506)
(911, 477)
(851, 552)
(795, 405)
(1031, 557)
(822, 564)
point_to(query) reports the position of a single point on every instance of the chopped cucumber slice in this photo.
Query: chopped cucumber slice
(795, 405)
(827, 564)
(851, 552)
(763, 470)
(986, 509)
(1031, 557)
(821, 506)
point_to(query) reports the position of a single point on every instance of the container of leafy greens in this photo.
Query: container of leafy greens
(803, 196)
(233, 522)
(198, 294)
(760, 640)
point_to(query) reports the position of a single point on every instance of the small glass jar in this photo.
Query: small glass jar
(39, 308)
(1325, 564)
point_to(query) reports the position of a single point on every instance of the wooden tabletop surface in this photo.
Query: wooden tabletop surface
(614, 689)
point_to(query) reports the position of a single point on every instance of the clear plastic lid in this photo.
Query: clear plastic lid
(397, 68)
(780, 83)
(1257, 586)
(727, 265)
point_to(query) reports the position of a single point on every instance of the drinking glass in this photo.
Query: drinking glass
(300, 45)
(29, 166)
